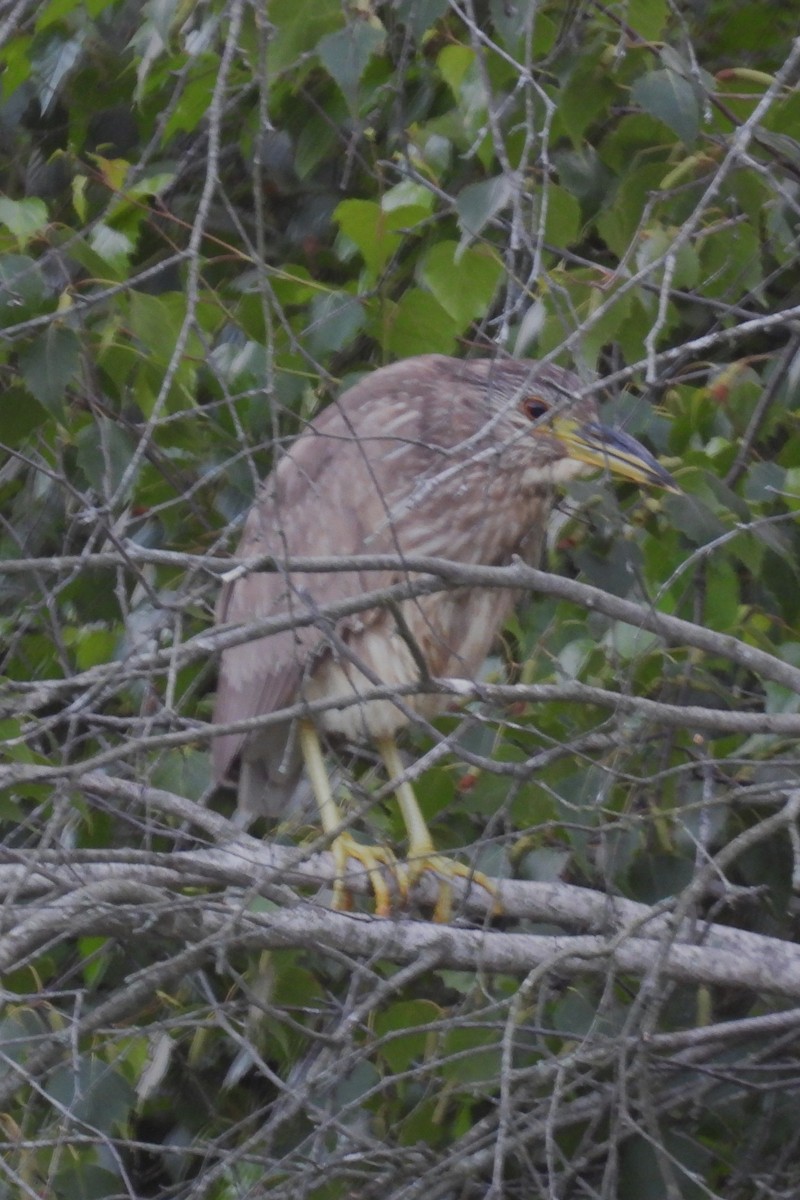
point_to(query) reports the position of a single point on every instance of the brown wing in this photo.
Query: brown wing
(322, 499)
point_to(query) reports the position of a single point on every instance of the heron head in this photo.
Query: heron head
(553, 426)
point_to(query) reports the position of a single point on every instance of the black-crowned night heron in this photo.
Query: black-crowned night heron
(430, 456)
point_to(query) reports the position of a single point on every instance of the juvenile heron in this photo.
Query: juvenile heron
(430, 456)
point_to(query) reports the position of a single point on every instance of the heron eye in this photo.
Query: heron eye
(533, 408)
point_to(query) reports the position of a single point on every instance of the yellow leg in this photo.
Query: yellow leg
(422, 854)
(344, 846)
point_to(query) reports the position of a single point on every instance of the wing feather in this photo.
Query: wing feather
(321, 500)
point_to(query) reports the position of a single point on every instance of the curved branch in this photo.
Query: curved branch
(110, 885)
(429, 575)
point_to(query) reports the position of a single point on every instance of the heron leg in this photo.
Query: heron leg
(422, 855)
(344, 846)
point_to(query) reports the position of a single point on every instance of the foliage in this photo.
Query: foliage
(213, 217)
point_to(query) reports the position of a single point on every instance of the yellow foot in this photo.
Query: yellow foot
(447, 871)
(373, 859)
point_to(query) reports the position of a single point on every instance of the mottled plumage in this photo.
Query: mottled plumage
(429, 456)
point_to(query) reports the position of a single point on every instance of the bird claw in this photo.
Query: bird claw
(447, 871)
(374, 860)
(377, 860)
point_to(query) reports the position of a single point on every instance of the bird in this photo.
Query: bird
(460, 459)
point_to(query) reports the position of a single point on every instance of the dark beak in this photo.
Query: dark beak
(611, 450)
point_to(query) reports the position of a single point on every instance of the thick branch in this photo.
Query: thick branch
(426, 576)
(727, 956)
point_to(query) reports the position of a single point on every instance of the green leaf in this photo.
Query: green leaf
(93, 1092)
(721, 596)
(49, 364)
(407, 205)
(346, 53)
(187, 773)
(22, 290)
(241, 364)
(465, 284)
(403, 1044)
(151, 185)
(60, 10)
(562, 217)
(23, 218)
(336, 318)
(656, 242)
(791, 489)
(156, 322)
(92, 645)
(419, 15)
(298, 28)
(671, 98)
(19, 416)
(585, 96)
(104, 451)
(619, 223)
(732, 264)
(54, 60)
(633, 143)
(367, 226)
(16, 64)
(647, 17)
(192, 105)
(420, 325)
(454, 62)
(471, 1055)
(630, 642)
(478, 203)
(407, 194)
(114, 247)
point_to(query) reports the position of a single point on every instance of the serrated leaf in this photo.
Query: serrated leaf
(781, 144)
(192, 105)
(346, 53)
(104, 452)
(618, 224)
(670, 98)
(419, 15)
(584, 97)
(420, 325)
(732, 264)
(464, 284)
(721, 596)
(92, 1091)
(478, 203)
(156, 322)
(336, 318)
(23, 218)
(22, 289)
(453, 63)
(397, 1025)
(52, 64)
(151, 185)
(647, 17)
(79, 185)
(114, 247)
(407, 194)
(367, 226)
(791, 488)
(48, 365)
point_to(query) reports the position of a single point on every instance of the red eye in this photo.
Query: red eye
(534, 408)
